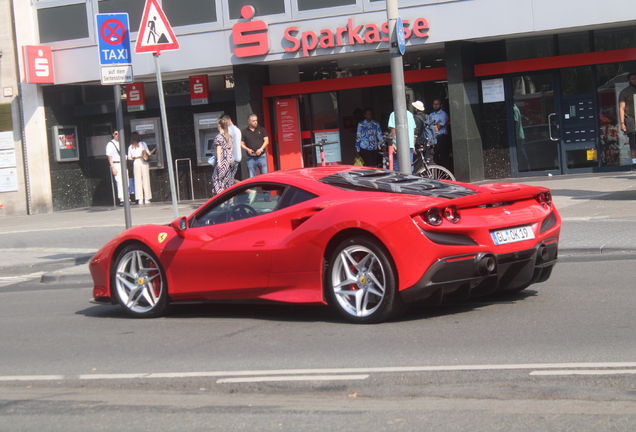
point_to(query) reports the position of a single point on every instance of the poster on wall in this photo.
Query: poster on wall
(493, 90)
(288, 127)
(6, 140)
(333, 154)
(65, 138)
(66, 141)
(7, 158)
(8, 180)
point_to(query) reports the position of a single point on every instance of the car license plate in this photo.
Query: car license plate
(512, 235)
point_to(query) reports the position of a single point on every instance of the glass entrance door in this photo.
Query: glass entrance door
(536, 122)
(556, 126)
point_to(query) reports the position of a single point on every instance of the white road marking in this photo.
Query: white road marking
(51, 250)
(334, 371)
(292, 378)
(11, 280)
(585, 372)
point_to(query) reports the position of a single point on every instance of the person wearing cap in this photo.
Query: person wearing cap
(368, 138)
(626, 112)
(421, 120)
(410, 127)
(442, 152)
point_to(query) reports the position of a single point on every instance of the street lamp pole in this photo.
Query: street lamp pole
(397, 82)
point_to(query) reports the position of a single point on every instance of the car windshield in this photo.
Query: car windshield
(376, 180)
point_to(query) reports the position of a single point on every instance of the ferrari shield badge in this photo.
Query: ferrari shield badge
(162, 237)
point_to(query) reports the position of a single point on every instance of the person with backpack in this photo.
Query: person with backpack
(425, 131)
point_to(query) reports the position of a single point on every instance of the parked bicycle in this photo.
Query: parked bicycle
(422, 167)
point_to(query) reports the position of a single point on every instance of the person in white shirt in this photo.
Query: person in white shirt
(237, 137)
(114, 159)
(139, 153)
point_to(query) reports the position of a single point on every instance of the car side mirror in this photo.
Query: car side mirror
(180, 225)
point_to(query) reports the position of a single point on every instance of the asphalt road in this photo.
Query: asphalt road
(559, 356)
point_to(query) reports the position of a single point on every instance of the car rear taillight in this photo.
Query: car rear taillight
(545, 199)
(435, 216)
(451, 214)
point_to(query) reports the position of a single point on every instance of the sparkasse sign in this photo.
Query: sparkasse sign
(349, 35)
(250, 38)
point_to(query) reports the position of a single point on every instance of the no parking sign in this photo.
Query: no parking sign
(114, 48)
(114, 39)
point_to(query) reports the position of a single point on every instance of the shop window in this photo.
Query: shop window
(176, 87)
(324, 108)
(612, 79)
(304, 5)
(134, 9)
(63, 23)
(262, 7)
(348, 67)
(521, 49)
(187, 12)
(613, 39)
(577, 80)
(491, 52)
(574, 43)
(97, 94)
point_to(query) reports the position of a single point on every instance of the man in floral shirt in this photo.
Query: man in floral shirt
(368, 139)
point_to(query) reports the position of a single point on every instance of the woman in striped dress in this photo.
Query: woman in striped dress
(223, 175)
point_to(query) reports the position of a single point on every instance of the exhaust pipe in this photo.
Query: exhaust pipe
(486, 265)
(544, 253)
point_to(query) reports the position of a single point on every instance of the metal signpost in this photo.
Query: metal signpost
(115, 59)
(156, 35)
(397, 47)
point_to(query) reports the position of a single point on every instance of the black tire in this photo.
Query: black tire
(139, 282)
(361, 282)
(436, 172)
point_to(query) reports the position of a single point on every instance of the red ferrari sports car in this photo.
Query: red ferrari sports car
(366, 241)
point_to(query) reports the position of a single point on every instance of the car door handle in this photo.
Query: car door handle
(260, 243)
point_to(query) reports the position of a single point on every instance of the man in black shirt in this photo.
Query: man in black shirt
(254, 141)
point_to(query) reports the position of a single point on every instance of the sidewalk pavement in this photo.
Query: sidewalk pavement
(598, 211)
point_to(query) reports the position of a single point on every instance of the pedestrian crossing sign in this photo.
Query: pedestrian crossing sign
(155, 33)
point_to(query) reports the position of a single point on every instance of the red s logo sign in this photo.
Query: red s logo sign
(250, 38)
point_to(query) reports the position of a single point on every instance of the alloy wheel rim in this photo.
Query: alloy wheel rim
(359, 281)
(139, 281)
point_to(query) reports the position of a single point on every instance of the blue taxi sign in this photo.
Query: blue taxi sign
(401, 40)
(114, 39)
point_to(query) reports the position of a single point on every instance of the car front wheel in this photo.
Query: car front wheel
(362, 282)
(139, 283)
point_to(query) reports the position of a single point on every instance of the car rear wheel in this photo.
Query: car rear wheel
(361, 282)
(138, 282)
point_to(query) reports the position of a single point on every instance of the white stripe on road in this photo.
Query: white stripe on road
(334, 371)
(292, 378)
(11, 280)
(585, 372)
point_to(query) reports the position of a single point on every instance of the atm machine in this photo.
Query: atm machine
(205, 130)
(150, 131)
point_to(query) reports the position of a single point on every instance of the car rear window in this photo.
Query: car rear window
(375, 180)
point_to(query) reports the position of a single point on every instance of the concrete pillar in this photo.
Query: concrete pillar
(248, 81)
(11, 202)
(463, 94)
(248, 95)
(35, 135)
